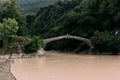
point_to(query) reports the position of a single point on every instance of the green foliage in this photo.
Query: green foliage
(34, 45)
(12, 24)
(1, 43)
(10, 5)
(9, 27)
(105, 42)
(50, 16)
(77, 17)
(12, 48)
(9, 10)
(10, 44)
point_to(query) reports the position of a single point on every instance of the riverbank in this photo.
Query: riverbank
(5, 72)
(39, 53)
(81, 53)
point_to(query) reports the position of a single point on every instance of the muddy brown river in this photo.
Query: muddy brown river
(64, 66)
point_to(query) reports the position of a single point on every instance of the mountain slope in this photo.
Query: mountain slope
(32, 6)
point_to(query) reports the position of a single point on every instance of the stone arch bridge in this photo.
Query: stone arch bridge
(84, 40)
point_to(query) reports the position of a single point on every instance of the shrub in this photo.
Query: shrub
(10, 45)
(9, 26)
(34, 45)
(1, 43)
(104, 42)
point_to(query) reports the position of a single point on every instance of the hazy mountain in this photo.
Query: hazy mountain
(32, 6)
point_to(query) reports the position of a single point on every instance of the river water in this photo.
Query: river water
(64, 66)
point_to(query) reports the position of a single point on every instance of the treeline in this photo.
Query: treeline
(86, 18)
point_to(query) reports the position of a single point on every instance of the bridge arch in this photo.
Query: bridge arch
(86, 41)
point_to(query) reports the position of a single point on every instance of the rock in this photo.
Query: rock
(5, 73)
(40, 52)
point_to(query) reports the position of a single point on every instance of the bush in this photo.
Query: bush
(9, 27)
(13, 48)
(1, 43)
(10, 45)
(104, 42)
(34, 45)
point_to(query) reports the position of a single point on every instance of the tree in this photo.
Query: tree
(9, 26)
(105, 42)
(35, 44)
(9, 10)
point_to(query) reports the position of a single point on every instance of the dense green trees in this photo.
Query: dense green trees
(9, 27)
(51, 15)
(12, 28)
(9, 10)
(34, 45)
(105, 42)
(76, 17)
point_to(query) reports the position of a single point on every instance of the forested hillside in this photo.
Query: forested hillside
(94, 19)
(32, 6)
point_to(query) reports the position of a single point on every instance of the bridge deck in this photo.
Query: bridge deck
(85, 40)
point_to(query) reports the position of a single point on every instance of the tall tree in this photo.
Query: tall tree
(9, 27)
(9, 10)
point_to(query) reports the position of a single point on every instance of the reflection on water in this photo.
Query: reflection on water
(56, 66)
